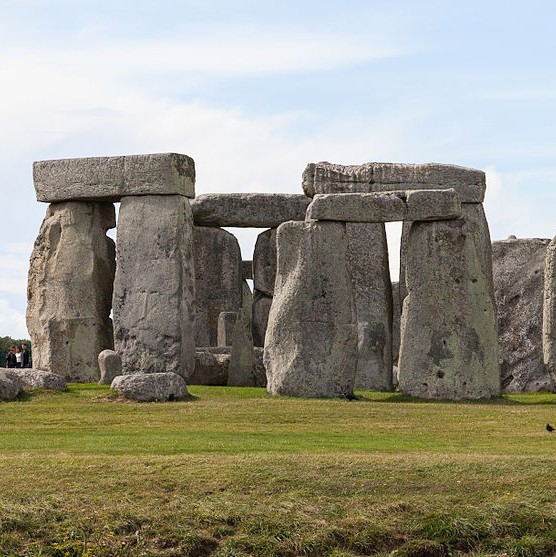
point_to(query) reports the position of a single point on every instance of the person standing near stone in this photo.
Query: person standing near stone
(10, 357)
(24, 356)
(18, 357)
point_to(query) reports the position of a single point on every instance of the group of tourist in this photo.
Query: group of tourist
(18, 356)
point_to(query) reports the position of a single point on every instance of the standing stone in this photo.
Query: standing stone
(396, 317)
(69, 293)
(261, 309)
(311, 341)
(211, 366)
(226, 325)
(218, 280)
(241, 372)
(549, 310)
(264, 262)
(368, 264)
(110, 365)
(154, 289)
(448, 329)
(518, 270)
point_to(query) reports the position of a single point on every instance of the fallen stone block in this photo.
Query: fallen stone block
(151, 387)
(10, 385)
(412, 205)
(324, 177)
(112, 178)
(40, 379)
(248, 210)
(110, 364)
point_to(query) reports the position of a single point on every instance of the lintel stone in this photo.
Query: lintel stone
(324, 177)
(413, 205)
(248, 210)
(111, 178)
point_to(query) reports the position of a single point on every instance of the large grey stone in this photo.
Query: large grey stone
(261, 309)
(211, 366)
(218, 280)
(311, 340)
(154, 289)
(10, 384)
(549, 310)
(40, 379)
(324, 177)
(448, 329)
(396, 317)
(69, 292)
(226, 325)
(386, 206)
(111, 178)
(518, 271)
(151, 387)
(264, 262)
(110, 364)
(242, 370)
(248, 210)
(260, 371)
(367, 262)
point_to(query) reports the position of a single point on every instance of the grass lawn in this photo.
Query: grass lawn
(235, 472)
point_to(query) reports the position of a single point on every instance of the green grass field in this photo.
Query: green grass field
(234, 472)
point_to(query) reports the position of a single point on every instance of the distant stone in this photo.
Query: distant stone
(410, 205)
(226, 325)
(259, 370)
(549, 310)
(151, 387)
(110, 364)
(69, 291)
(261, 309)
(40, 379)
(211, 366)
(324, 177)
(396, 316)
(247, 270)
(111, 178)
(248, 210)
(154, 288)
(10, 384)
(218, 280)
(518, 271)
(264, 262)
(241, 371)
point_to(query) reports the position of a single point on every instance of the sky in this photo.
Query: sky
(255, 90)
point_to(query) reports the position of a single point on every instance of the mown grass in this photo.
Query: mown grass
(234, 472)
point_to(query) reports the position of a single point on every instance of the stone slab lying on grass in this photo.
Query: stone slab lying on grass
(324, 177)
(393, 206)
(10, 384)
(248, 210)
(41, 379)
(151, 387)
(110, 364)
(111, 178)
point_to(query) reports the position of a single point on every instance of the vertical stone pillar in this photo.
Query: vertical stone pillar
(154, 288)
(70, 289)
(218, 280)
(311, 340)
(549, 310)
(449, 346)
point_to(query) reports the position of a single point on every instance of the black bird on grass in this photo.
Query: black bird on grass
(549, 428)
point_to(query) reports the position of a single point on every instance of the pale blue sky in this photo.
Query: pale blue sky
(255, 90)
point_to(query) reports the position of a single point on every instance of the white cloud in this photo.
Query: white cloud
(12, 321)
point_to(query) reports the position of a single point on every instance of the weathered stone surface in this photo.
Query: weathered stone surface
(69, 292)
(367, 262)
(247, 270)
(518, 271)
(260, 370)
(241, 372)
(396, 317)
(261, 309)
(111, 178)
(10, 384)
(211, 366)
(110, 365)
(154, 289)
(264, 262)
(151, 387)
(448, 329)
(40, 379)
(386, 206)
(311, 340)
(324, 177)
(218, 272)
(248, 210)
(549, 310)
(226, 325)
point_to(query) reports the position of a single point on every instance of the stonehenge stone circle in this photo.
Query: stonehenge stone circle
(112, 178)
(518, 271)
(154, 287)
(69, 292)
(218, 280)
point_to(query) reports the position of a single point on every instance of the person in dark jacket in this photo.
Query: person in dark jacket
(10, 357)
(25, 356)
